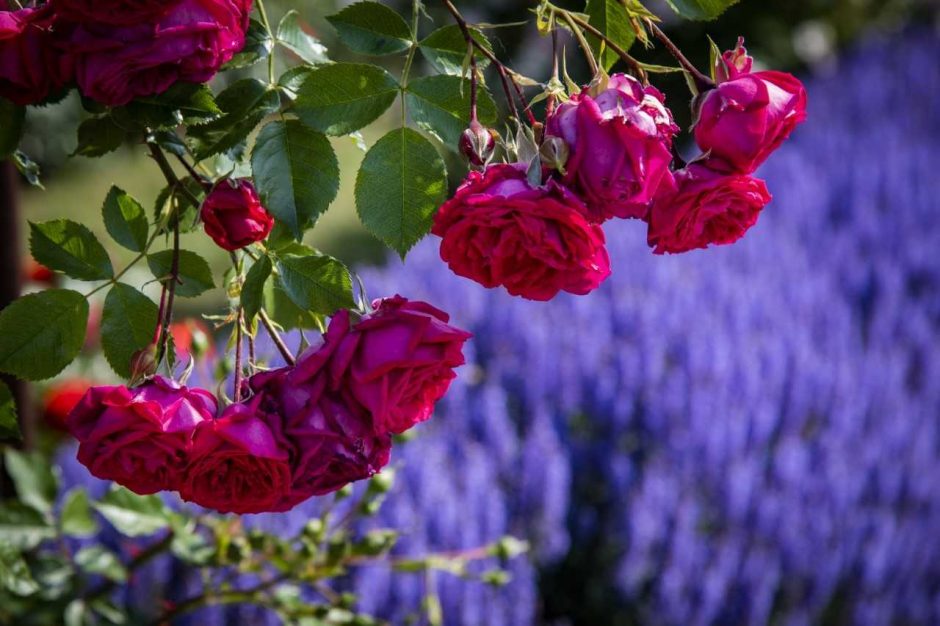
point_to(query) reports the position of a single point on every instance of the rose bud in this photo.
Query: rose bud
(478, 143)
(60, 398)
(499, 229)
(239, 463)
(31, 64)
(332, 437)
(398, 361)
(233, 215)
(38, 273)
(140, 438)
(748, 115)
(620, 139)
(112, 11)
(190, 42)
(704, 208)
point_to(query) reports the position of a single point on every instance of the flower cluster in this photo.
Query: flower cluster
(607, 153)
(115, 50)
(304, 430)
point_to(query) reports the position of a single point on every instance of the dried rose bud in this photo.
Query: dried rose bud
(478, 144)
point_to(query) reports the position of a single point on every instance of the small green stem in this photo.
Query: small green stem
(124, 271)
(409, 60)
(263, 14)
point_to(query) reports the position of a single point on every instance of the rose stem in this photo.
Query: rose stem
(703, 82)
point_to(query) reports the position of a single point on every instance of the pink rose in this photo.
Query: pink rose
(398, 361)
(142, 437)
(239, 463)
(748, 115)
(115, 64)
(620, 141)
(112, 11)
(31, 65)
(233, 215)
(706, 207)
(332, 439)
(535, 241)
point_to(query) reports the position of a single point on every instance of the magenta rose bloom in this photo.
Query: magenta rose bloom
(140, 438)
(332, 439)
(233, 215)
(115, 64)
(397, 361)
(239, 463)
(748, 115)
(112, 11)
(535, 241)
(31, 64)
(705, 207)
(620, 141)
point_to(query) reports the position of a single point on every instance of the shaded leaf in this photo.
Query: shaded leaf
(32, 476)
(41, 333)
(252, 297)
(446, 49)
(195, 275)
(128, 322)
(291, 34)
(400, 185)
(14, 573)
(69, 247)
(23, 527)
(9, 424)
(344, 97)
(98, 136)
(125, 220)
(372, 28)
(441, 104)
(244, 104)
(700, 9)
(318, 284)
(610, 17)
(76, 518)
(100, 560)
(258, 45)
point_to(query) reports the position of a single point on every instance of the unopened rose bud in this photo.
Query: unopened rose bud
(478, 144)
(554, 153)
(733, 63)
(144, 363)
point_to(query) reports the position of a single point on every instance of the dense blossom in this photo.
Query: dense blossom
(115, 64)
(31, 64)
(705, 208)
(749, 114)
(113, 11)
(141, 437)
(234, 216)
(620, 139)
(501, 230)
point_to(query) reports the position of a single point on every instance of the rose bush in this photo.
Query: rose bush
(500, 229)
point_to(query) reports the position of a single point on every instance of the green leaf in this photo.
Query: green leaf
(372, 28)
(98, 136)
(76, 514)
(11, 130)
(401, 184)
(446, 49)
(42, 332)
(291, 35)
(610, 17)
(700, 9)
(69, 247)
(296, 172)
(15, 576)
(32, 476)
(319, 284)
(283, 310)
(190, 103)
(131, 514)
(252, 297)
(258, 45)
(195, 275)
(342, 98)
(125, 220)
(9, 424)
(244, 104)
(441, 105)
(23, 526)
(100, 560)
(127, 325)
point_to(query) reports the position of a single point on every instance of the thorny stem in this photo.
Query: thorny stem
(635, 65)
(263, 14)
(238, 355)
(703, 82)
(276, 338)
(500, 68)
(550, 105)
(171, 294)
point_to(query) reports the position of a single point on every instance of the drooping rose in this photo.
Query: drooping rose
(239, 463)
(233, 215)
(31, 64)
(398, 361)
(535, 241)
(112, 11)
(140, 438)
(115, 64)
(332, 438)
(748, 115)
(705, 208)
(620, 141)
